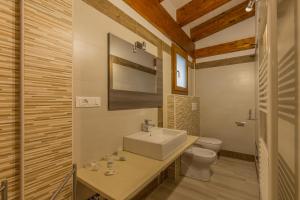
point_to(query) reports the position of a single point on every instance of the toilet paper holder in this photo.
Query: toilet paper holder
(242, 124)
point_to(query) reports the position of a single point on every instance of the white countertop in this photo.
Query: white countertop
(132, 175)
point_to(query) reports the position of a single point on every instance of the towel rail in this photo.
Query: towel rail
(73, 174)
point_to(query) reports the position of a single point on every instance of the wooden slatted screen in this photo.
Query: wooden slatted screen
(48, 97)
(9, 84)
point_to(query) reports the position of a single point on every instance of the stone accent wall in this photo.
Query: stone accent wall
(180, 113)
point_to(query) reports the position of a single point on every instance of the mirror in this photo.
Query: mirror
(135, 76)
(130, 76)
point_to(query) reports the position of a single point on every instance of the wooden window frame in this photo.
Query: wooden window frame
(176, 89)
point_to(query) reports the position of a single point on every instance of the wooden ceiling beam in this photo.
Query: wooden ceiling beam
(226, 61)
(154, 12)
(196, 9)
(229, 47)
(222, 21)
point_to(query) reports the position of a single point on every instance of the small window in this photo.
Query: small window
(179, 71)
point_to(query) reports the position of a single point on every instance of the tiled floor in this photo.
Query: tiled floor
(232, 180)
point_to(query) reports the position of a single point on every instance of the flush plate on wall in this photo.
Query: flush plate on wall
(88, 102)
(194, 106)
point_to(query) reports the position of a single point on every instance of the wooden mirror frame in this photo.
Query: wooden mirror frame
(125, 100)
(176, 89)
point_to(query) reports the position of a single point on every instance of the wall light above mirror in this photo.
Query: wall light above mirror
(134, 76)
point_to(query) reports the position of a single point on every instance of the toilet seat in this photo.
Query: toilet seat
(206, 153)
(207, 140)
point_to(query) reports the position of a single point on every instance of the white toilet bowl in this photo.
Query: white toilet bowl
(196, 162)
(209, 143)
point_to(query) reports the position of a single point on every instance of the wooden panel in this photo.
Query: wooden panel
(9, 84)
(225, 62)
(196, 9)
(48, 97)
(160, 18)
(238, 45)
(222, 21)
(190, 64)
(127, 63)
(174, 170)
(124, 100)
(237, 155)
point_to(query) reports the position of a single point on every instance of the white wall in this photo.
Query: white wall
(238, 31)
(226, 94)
(97, 131)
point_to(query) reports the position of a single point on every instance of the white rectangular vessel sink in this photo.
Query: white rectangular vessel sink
(159, 143)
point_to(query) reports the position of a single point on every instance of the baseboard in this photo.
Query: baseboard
(237, 155)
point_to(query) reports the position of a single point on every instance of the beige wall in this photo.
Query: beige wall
(97, 131)
(226, 94)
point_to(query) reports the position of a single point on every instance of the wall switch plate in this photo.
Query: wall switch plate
(88, 102)
(194, 106)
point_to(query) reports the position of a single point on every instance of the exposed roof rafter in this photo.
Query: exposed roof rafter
(154, 12)
(229, 47)
(222, 21)
(196, 9)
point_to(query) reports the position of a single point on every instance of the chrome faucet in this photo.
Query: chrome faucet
(146, 125)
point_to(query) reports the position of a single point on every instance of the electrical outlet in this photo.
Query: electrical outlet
(88, 102)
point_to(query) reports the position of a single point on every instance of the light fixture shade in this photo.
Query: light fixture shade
(248, 9)
(250, 5)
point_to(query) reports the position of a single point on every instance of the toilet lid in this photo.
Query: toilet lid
(203, 152)
(208, 140)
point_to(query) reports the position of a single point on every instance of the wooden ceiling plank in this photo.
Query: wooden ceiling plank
(222, 21)
(154, 12)
(196, 9)
(229, 47)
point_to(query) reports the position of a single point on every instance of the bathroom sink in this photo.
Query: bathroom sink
(158, 144)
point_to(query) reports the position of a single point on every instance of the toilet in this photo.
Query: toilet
(196, 162)
(209, 143)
